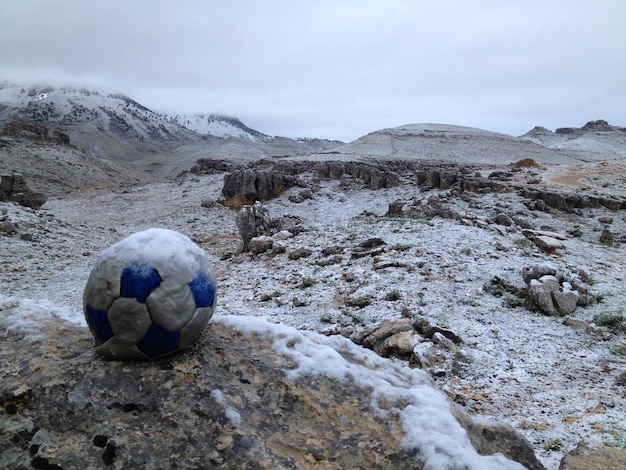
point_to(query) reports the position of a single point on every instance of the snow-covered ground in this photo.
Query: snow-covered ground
(556, 383)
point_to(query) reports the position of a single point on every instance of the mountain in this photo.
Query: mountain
(446, 143)
(115, 127)
(596, 140)
(102, 124)
(220, 126)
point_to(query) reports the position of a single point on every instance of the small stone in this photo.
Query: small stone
(8, 227)
(258, 245)
(300, 253)
(546, 243)
(606, 237)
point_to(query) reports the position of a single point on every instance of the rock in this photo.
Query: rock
(606, 237)
(426, 356)
(8, 227)
(443, 341)
(375, 176)
(547, 241)
(565, 299)
(258, 245)
(589, 455)
(503, 219)
(299, 253)
(265, 180)
(536, 271)
(488, 435)
(206, 166)
(422, 326)
(253, 221)
(399, 345)
(248, 395)
(540, 293)
(332, 250)
(370, 339)
(370, 247)
(13, 187)
(550, 297)
(240, 188)
(547, 244)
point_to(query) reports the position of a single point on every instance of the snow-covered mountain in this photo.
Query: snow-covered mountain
(115, 127)
(220, 126)
(596, 140)
(101, 123)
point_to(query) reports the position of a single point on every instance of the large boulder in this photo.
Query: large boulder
(249, 395)
(13, 187)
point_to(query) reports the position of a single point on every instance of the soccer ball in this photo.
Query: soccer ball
(149, 295)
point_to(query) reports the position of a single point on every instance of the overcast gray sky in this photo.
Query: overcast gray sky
(334, 69)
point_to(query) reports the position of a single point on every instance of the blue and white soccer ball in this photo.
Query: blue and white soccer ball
(149, 295)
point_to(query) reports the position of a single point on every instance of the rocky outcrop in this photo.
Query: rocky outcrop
(248, 395)
(35, 131)
(206, 166)
(13, 187)
(249, 185)
(266, 180)
(568, 201)
(375, 176)
(589, 455)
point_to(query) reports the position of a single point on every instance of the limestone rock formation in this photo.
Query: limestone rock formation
(267, 180)
(248, 395)
(590, 455)
(253, 221)
(13, 187)
(550, 292)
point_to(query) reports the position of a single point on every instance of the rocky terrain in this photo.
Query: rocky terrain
(489, 265)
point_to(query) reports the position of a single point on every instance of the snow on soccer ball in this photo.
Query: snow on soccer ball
(149, 295)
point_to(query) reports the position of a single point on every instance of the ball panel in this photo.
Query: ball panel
(116, 349)
(158, 342)
(129, 320)
(191, 331)
(138, 281)
(203, 289)
(98, 323)
(102, 288)
(171, 305)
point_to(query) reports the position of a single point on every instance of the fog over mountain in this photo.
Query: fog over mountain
(334, 70)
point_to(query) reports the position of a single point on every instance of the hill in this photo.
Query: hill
(449, 143)
(596, 140)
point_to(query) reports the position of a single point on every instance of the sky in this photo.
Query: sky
(335, 69)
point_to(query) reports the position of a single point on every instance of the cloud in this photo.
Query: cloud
(342, 67)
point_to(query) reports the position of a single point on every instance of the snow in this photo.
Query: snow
(26, 315)
(170, 252)
(426, 417)
(545, 378)
(219, 126)
(232, 414)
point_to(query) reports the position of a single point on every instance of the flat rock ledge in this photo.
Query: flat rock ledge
(248, 395)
